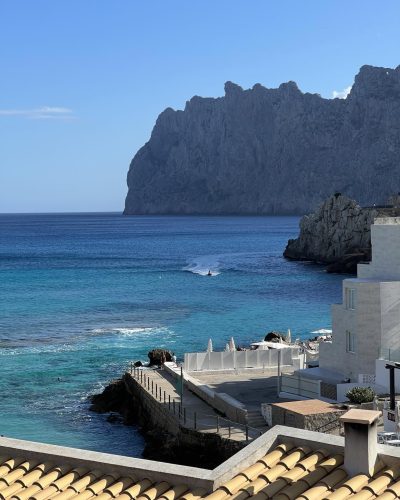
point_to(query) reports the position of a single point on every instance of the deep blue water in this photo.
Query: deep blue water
(82, 295)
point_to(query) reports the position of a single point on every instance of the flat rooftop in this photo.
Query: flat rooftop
(308, 406)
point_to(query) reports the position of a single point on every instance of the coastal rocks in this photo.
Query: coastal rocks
(271, 151)
(112, 399)
(274, 337)
(157, 356)
(348, 263)
(338, 233)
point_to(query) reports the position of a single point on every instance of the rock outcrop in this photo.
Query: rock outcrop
(338, 234)
(157, 356)
(271, 151)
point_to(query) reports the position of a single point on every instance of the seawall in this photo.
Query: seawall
(167, 436)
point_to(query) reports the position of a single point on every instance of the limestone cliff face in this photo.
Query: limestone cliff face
(271, 151)
(338, 228)
(338, 233)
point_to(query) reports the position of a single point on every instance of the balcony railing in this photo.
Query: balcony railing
(389, 354)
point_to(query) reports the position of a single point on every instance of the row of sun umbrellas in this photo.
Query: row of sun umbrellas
(230, 346)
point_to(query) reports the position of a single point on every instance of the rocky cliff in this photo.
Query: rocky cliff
(338, 233)
(271, 151)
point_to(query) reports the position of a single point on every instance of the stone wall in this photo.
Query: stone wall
(313, 422)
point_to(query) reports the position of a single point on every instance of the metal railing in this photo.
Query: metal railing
(389, 354)
(198, 421)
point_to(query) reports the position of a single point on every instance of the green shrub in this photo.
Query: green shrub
(359, 395)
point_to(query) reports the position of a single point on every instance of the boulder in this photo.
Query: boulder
(156, 356)
(274, 337)
(111, 399)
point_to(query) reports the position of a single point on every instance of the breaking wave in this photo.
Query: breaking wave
(239, 261)
(201, 265)
(124, 330)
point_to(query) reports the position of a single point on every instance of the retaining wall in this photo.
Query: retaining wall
(157, 415)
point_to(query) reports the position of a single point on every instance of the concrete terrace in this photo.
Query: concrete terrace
(251, 388)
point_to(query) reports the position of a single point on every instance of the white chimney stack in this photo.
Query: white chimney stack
(360, 434)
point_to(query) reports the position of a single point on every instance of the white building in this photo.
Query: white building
(366, 326)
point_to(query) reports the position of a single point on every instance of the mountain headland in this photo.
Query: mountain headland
(271, 151)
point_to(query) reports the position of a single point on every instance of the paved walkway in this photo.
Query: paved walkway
(195, 413)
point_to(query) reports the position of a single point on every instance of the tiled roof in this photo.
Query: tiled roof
(22, 479)
(290, 472)
(285, 471)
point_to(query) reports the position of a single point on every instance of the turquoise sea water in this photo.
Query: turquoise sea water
(82, 295)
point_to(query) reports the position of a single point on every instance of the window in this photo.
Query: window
(350, 297)
(350, 341)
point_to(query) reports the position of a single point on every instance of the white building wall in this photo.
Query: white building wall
(364, 323)
(385, 241)
(390, 319)
(375, 319)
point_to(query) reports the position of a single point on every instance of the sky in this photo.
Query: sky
(83, 81)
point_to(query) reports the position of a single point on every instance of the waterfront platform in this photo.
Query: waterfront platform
(190, 411)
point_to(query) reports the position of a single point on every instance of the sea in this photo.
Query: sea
(83, 295)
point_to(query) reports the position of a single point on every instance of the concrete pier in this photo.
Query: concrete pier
(160, 393)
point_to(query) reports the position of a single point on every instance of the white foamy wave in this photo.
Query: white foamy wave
(238, 261)
(9, 351)
(202, 265)
(122, 330)
(128, 332)
(131, 331)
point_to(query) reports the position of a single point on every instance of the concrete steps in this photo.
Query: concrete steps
(255, 419)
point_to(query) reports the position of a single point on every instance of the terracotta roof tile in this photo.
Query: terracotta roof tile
(194, 494)
(284, 473)
(154, 491)
(388, 495)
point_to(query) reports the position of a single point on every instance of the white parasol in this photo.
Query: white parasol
(322, 331)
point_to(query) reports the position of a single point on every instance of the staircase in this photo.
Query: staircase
(256, 420)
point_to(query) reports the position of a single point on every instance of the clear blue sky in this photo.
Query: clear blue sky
(82, 81)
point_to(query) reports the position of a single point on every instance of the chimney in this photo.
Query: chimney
(360, 434)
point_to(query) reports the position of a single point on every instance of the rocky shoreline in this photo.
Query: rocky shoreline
(338, 233)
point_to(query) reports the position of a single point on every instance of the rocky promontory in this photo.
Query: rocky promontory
(338, 233)
(271, 151)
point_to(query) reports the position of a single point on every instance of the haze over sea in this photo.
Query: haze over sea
(82, 295)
